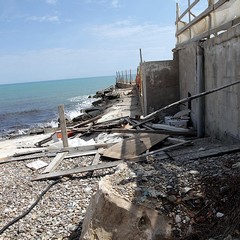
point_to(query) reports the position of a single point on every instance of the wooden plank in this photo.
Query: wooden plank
(110, 120)
(213, 152)
(63, 125)
(24, 158)
(132, 147)
(103, 165)
(80, 154)
(168, 128)
(55, 162)
(160, 150)
(94, 163)
(134, 131)
(96, 159)
(87, 122)
(21, 154)
(77, 170)
(85, 148)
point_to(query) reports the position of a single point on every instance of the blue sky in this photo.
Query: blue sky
(59, 39)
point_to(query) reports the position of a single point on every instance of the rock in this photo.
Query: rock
(172, 198)
(186, 190)
(178, 219)
(219, 215)
(111, 217)
(194, 172)
(236, 165)
(229, 237)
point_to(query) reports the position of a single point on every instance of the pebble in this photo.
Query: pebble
(64, 206)
(219, 215)
(178, 219)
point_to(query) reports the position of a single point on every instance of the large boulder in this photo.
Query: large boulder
(110, 216)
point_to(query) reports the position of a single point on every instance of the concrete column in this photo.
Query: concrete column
(200, 88)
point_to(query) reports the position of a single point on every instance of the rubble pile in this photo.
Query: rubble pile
(120, 177)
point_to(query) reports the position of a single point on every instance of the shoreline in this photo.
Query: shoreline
(22, 143)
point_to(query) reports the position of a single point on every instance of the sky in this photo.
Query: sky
(61, 39)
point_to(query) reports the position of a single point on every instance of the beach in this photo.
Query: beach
(61, 211)
(191, 185)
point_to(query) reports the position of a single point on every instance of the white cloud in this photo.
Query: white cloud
(108, 3)
(125, 29)
(52, 2)
(44, 18)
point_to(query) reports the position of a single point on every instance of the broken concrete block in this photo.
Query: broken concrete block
(112, 217)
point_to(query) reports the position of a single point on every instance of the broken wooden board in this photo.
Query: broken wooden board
(168, 127)
(24, 158)
(134, 131)
(213, 152)
(131, 147)
(94, 163)
(77, 170)
(93, 167)
(55, 162)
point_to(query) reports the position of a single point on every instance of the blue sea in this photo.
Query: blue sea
(26, 106)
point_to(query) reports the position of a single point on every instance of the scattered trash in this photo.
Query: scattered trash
(36, 165)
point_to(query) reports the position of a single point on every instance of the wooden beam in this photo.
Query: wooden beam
(77, 170)
(160, 150)
(63, 125)
(201, 16)
(55, 162)
(104, 165)
(24, 158)
(188, 9)
(80, 154)
(208, 33)
(86, 122)
(94, 163)
(134, 131)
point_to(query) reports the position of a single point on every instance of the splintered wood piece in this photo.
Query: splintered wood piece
(131, 147)
(55, 162)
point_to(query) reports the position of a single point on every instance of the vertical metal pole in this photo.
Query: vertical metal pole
(130, 77)
(63, 125)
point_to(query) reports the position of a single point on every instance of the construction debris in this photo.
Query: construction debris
(166, 172)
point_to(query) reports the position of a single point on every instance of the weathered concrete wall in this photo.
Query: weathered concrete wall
(188, 77)
(221, 66)
(160, 84)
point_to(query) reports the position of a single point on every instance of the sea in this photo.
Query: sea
(32, 105)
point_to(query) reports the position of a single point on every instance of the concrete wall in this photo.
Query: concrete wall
(160, 85)
(221, 66)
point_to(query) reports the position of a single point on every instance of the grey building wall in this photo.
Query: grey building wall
(221, 66)
(160, 85)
